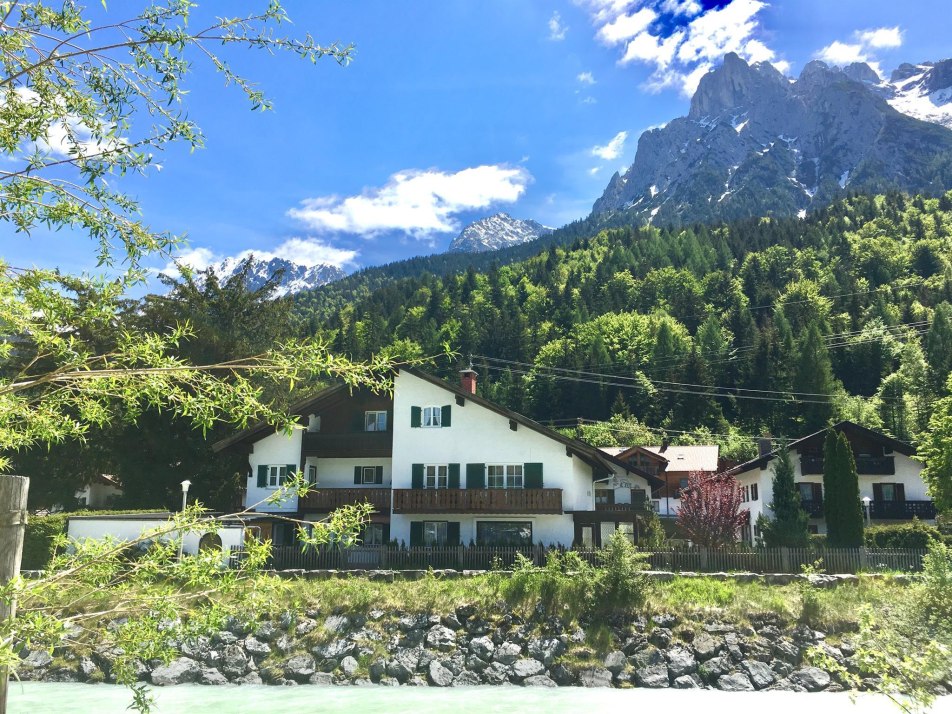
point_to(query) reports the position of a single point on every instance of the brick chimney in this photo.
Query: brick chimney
(467, 380)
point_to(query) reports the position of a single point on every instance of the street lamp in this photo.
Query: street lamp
(866, 501)
(185, 484)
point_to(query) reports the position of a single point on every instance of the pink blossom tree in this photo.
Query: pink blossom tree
(710, 511)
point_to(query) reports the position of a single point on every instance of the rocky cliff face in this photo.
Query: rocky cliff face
(757, 143)
(495, 232)
(295, 278)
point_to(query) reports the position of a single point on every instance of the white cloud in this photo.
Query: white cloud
(589, 100)
(881, 38)
(420, 203)
(303, 251)
(556, 29)
(594, 170)
(624, 27)
(586, 78)
(679, 38)
(842, 53)
(611, 150)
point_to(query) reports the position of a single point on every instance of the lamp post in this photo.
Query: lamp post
(866, 501)
(185, 484)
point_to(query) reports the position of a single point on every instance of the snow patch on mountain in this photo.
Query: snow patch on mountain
(295, 278)
(922, 91)
(496, 232)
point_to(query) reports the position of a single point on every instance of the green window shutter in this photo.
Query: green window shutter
(262, 477)
(532, 474)
(453, 480)
(416, 533)
(475, 475)
(357, 474)
(378, 474)
(452, 533)
(446, 416)
(416, 416)
(416, 476)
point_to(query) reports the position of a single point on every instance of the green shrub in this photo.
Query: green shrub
(621, 580)
(914, 534)
(817, 540)
(937, 584)
(38, 539)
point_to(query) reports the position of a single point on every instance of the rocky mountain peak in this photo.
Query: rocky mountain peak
(295, 277)
(497, 231)
(862, 72)
(733, 84)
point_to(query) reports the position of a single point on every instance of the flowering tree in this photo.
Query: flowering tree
(710, 509)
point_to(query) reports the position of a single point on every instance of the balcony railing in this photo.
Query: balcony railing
(346, 445)
(637, 506)
(489, 500)
(902, 510)
(813, 508)
(328, 499)
(865, 465)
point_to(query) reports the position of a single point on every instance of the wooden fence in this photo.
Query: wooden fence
(704, 560)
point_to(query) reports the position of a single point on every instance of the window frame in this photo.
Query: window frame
(277, 475)
(377, 415)
(431, 417)
(376, 539)
(754, 492)
(436, 476)
(440, 527)
(363, 475)
(480, 525)
(509, 480)
(312, 474)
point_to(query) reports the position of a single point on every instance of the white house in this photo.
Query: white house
(890, 480)
(442, 466)
(102, 492)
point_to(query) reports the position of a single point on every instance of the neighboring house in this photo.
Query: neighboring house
(104, 491)
(671, 464)
(888, 476)
(442, 466)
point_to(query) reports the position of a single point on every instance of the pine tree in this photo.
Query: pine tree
(653, 535)
(841, 504)
(814, 376)
(939, 346)
(788, 527)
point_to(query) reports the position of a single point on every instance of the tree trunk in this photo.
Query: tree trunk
(13, 492)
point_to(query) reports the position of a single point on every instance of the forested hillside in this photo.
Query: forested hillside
(760, 326)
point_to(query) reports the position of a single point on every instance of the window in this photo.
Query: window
(744, 494)
(508, 534)
(682, 484)
(277, 475)
(754, 493)
(435, 476)
(504, 476)
(312, 474)
(604, 496)
(368, 474)
(434, 533)
(813, 529)
(375, 421)
(373, 534)
(432, 416)
(810, 491)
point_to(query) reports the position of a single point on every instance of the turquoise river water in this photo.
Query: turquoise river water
(39, 698)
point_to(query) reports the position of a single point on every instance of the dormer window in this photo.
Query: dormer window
(375, 421)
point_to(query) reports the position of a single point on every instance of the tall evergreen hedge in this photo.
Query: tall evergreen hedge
(841, 503)
(788, 527)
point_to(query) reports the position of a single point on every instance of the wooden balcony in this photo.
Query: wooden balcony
(623, 507)
(350, 444)
(865, 465)
(324, 500)
(489, 500)
(902, 510)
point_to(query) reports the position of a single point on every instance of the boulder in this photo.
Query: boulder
(349, 666)
(595, 677)
(523, 668)
(438, 675)
(336, 649)
(267, 631)
(562, 675)
(661, 637)
(304, 627)
(787, 651)
(706, 646)
(681, 661)
(179, 671)
(482, 647)
(234, 661)
(336, 623)
(686, 681)
(650, 667)
(377, 670)
(615, 661)
(507, 653)
(760, 675)
(813, 679)
(211, 676)
(256, 648)
(300, 668)
(545, 649)
(737, 682)
(441, 638)
(325, 679)
(37, 659)
(403, 665)
(466, 678)
(540, 680)
(714, 668)
(496, 673)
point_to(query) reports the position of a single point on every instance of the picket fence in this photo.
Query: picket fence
(703, 560)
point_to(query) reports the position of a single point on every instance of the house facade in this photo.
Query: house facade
(441, 466)
(890, 480)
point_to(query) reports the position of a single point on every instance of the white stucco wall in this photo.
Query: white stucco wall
(79, 529)
(276, 449)
(339, 472)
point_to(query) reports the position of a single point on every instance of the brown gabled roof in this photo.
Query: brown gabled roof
(847, 427)
(303, 407)
(586, 452)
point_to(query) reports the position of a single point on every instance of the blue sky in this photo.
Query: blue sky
(453, 110)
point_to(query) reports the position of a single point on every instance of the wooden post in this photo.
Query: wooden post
(13, 514)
